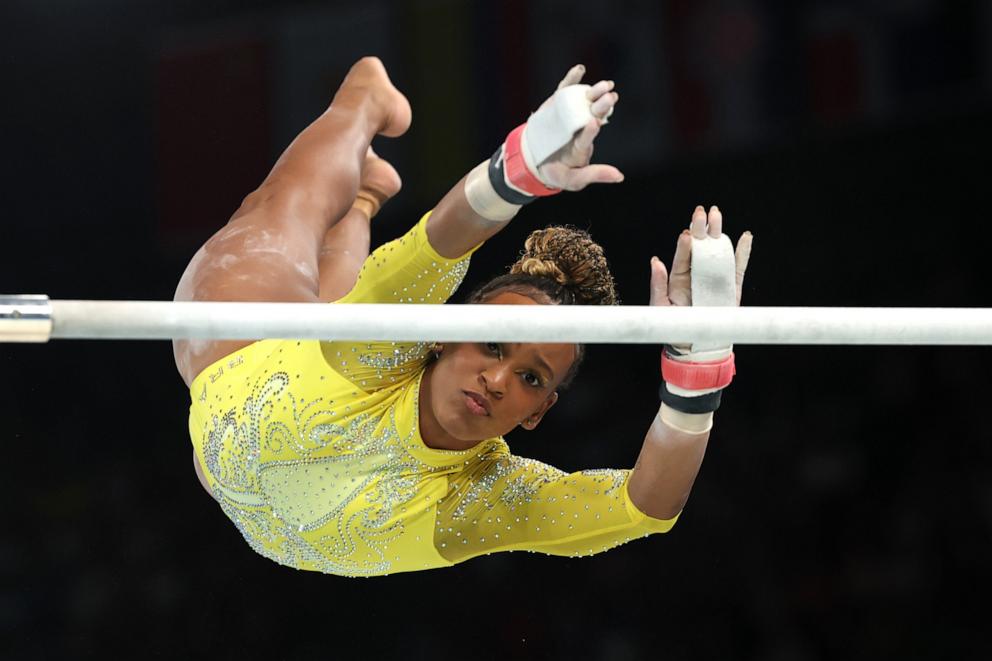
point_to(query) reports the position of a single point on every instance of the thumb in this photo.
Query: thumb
(659, 283)
(573, 77)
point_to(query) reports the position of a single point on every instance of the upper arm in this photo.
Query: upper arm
(509, 502)
(405, 270)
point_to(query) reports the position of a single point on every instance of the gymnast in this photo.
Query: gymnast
(364, 458)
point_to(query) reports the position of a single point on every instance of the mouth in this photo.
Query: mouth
(476, 403)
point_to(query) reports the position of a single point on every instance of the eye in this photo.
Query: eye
(532, 379)
(493, 348)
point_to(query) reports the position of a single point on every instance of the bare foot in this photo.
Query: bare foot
(380, 181)
(368, 79)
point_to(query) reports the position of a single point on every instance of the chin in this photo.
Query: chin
(462, 430)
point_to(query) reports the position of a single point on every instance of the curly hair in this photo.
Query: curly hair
(559, 265)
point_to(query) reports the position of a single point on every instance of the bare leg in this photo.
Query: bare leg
(270, 249)
(346, 244)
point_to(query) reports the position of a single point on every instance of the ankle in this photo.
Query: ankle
(367, 204)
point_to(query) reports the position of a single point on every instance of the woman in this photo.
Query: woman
(369, 458)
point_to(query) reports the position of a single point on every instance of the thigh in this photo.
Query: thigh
(263, 254)
(344, 251)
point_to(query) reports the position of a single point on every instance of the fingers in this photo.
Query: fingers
(603, 99)
(698, 224)
(579, 153)
(679, 280)
(706, 224)
(573, 76)
(659, 283)
(741, 257)
(560, 175)
(599, 90)
(714, 222)
(601, 94)
(603, 106)
(683, 250)
(583, 141)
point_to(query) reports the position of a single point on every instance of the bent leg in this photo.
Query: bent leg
(346, 244)
(270, 249)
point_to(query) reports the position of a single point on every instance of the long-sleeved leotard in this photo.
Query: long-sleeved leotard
(313, 450)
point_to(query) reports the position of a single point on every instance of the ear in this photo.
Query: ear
(534, 419)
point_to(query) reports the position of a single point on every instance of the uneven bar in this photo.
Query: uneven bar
(153, 320)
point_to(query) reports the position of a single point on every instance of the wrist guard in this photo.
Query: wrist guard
(513, 169)
(691, 386)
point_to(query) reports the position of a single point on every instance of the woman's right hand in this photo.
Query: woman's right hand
(676, 288)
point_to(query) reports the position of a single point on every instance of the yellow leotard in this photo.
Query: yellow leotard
(313, 450)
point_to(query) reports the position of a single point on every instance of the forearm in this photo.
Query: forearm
(455, 227)
(669, 461)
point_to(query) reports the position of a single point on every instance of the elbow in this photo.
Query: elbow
(656, 506)
(662, 513)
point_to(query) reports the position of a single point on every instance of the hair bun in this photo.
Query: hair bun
(572, 259)
(544, 268)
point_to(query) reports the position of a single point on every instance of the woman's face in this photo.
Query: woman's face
(478, 390)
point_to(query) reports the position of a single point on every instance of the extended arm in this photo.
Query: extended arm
(675, 443)
(474, 210)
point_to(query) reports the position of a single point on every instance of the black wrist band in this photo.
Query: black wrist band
(702, 404)
(499, 184)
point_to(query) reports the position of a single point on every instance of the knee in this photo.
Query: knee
(266, 194)
(283, 199)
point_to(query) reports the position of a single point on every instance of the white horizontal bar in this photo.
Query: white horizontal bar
(525, 323)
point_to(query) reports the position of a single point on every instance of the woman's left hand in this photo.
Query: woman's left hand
(676, 288)
(569, 168)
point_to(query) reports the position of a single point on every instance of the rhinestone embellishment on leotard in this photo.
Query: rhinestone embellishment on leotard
(332, 506)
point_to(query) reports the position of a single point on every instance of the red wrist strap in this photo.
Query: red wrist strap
(517, 172)
(697, 376)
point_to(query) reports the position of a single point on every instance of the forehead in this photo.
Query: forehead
(558, 356)
(510, 298)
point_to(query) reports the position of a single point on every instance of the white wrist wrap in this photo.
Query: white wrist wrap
(687, 423)
(484, 200)
(555, 123)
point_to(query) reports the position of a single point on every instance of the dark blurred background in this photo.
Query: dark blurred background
(845, 507)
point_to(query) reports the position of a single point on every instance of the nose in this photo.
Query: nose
(493, 379)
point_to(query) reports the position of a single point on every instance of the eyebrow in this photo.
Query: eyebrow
(540, 362)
